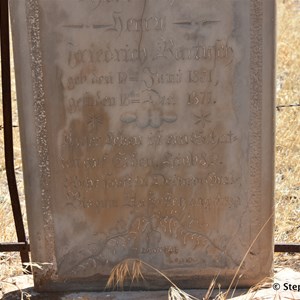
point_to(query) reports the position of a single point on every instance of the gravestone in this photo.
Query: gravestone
(147, 133)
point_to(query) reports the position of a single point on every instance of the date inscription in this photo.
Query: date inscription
(150, 132)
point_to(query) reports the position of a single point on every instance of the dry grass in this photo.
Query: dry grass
(132, 268)
(287, 192)
(287, 195)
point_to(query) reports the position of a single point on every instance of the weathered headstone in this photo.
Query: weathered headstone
(147, 132)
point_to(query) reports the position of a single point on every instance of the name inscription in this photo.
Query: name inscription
(166, 50)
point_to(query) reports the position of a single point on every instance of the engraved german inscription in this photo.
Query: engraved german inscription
(145, 122)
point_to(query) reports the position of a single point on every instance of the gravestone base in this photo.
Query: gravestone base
(25, 284)
(12, 287)
(153, 295)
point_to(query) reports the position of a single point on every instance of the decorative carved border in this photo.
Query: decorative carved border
(40, 119)
(255, 132)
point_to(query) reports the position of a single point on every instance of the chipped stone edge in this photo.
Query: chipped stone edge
(48, 270)
(261, 132)
(255, 130)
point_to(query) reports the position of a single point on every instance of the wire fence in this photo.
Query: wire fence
(278, 107)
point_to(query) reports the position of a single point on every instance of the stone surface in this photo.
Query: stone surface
(285, 278)
(153, 295)
(147, 132)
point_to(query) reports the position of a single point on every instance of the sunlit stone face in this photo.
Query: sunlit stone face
(148, 126)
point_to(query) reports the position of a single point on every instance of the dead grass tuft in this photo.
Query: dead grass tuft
(131, 268)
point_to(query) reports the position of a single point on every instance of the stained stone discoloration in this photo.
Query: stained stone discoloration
(151, 132)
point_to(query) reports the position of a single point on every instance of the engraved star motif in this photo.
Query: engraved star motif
(203, 119)
(94, 121)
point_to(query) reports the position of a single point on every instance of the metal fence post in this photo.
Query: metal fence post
(8, 132)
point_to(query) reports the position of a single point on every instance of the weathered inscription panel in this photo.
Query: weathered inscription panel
(149, 124)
